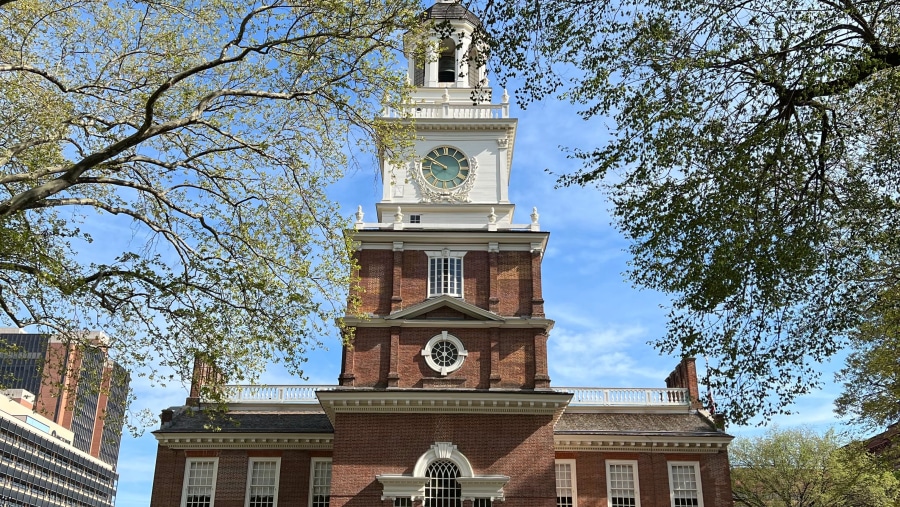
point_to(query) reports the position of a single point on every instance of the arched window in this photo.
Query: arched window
(447, 61)
(442, 488)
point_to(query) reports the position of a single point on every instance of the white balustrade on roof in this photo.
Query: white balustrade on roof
(581, 396)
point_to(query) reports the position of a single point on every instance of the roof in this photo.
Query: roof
(618, 423)
(197, 421)
(451, 10)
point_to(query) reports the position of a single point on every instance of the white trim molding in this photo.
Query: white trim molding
(695, 466)
(187, 476)
(636, 489)
(641, 443)
(250, 462)
(316, 441)
(413, 486)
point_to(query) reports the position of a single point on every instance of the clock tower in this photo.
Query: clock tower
(448, 368)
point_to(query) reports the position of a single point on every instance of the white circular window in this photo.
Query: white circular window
(444, 353)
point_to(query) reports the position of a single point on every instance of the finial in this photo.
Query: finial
(446, 95)
(359, 213)
(534, 215)
(505, 98)
(492, 218)
(398, 216)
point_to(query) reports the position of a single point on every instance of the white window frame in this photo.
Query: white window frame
(696, 466)
(440, 255)
(571, 463)
(250, 463)
(461, 352)
(187, 471)
(634, 476)
(312, 478)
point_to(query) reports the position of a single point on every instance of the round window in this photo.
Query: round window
(444, 353)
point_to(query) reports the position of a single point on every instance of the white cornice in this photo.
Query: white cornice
(445, 301)
(507, 322)
(424, 239)
(642, 443)
(448, 401)
(223, 440)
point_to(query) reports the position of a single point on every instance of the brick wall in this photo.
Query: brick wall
(653, 477)
(515, 368)
(231, 476)
(511, 287)
(518, 446)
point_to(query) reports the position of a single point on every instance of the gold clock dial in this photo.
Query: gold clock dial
(445, 168)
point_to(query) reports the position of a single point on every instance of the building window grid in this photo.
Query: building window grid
(685, 485)
(320, 483)
(445, 276)
(200, 482)
(622, 484)
(566, 495)
(442, 488)
(262, 482)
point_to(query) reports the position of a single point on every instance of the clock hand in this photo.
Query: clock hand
(433, 161)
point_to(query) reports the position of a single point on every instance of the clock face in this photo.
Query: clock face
(445, 167)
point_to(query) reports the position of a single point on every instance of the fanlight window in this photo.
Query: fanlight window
(442, 488)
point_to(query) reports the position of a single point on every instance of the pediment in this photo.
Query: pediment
(445, 308)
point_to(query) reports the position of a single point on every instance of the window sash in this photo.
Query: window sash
(320, 482)
(199, 482)
(684, 485)
(262, 482)
(622, 484)
(566, 493)
(445, 276)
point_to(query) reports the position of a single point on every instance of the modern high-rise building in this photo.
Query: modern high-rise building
(75, 383)
(40, 466)
(444, 397)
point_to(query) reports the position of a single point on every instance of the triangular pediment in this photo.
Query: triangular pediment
(445, 308)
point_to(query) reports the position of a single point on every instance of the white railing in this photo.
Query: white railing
(601, 396)
(275, 394)
(455, 111)
(581, 396)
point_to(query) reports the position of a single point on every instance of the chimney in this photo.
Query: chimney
(204, 374)
(685, 376)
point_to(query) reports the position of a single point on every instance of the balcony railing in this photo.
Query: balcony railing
(581, 396)
(455, 111)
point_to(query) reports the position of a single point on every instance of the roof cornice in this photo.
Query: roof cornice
(260, 440)
(507, 322)
(446, 401)
(445, 301)
(686, 444)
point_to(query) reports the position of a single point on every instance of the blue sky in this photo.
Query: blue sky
(603, 324)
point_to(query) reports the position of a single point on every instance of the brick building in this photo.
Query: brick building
(444, 398)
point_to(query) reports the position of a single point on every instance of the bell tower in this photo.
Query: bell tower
(460, 172)
(447, 370)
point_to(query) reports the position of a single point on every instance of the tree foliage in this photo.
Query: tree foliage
(163, 168)
(801, 468)
(752, 163)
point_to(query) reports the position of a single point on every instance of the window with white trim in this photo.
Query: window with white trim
(566, 492)
(684, 484)
(320, 482)
(622, 483)
(199, 482)
(262, 482)
(442, 488)
(445, 273)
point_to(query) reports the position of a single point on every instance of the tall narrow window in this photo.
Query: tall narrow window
(262, 482)
(199, 482)
(622, 483)
(566, 493)
(445, 273)
(442, 488)
(684, 484)
(320, 482)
